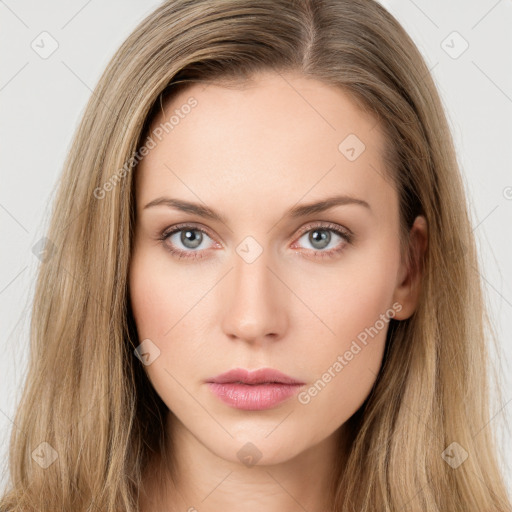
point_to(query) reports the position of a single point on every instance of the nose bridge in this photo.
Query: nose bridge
(251, 277)
(255, 306)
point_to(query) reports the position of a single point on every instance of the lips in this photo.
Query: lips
(261, 376)
(253, 391)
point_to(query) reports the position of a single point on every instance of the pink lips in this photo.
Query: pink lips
(257, 390)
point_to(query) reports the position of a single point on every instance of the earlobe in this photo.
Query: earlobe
(408, 284)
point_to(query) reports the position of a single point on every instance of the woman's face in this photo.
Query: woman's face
(288, 259)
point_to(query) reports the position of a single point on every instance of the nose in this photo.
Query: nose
(255, 302)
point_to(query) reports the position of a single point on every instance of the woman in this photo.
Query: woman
(262, 293)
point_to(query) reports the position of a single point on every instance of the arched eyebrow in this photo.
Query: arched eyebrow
(301, 210)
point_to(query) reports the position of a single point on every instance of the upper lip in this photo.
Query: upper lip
(261, 376)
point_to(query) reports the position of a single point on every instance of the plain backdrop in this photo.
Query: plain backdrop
(467, 45)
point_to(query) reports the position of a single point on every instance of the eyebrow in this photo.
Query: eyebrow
(294, 212)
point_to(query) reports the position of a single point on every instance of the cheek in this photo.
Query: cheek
(344, 366)
(355, 309)
(170, 308)
(350, 298)
(162, 296)
(160, 305)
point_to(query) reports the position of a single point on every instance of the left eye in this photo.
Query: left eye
(321, 237)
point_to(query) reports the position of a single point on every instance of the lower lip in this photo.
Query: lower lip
(253, 397)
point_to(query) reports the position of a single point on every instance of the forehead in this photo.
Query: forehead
(278, 133)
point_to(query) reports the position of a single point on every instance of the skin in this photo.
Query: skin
(251, 154)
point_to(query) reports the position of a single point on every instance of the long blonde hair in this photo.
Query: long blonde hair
(87, 400)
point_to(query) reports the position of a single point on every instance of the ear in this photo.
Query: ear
(408, 284)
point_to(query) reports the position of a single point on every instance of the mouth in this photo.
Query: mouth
(255, 391)
(261, 376)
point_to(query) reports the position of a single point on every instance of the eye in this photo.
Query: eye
(186, 241)
(324, 239)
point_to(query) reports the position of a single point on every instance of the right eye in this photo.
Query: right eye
(185, 240)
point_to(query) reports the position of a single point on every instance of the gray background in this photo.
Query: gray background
(42, 100)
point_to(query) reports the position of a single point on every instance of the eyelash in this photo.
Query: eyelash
(327, 226)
